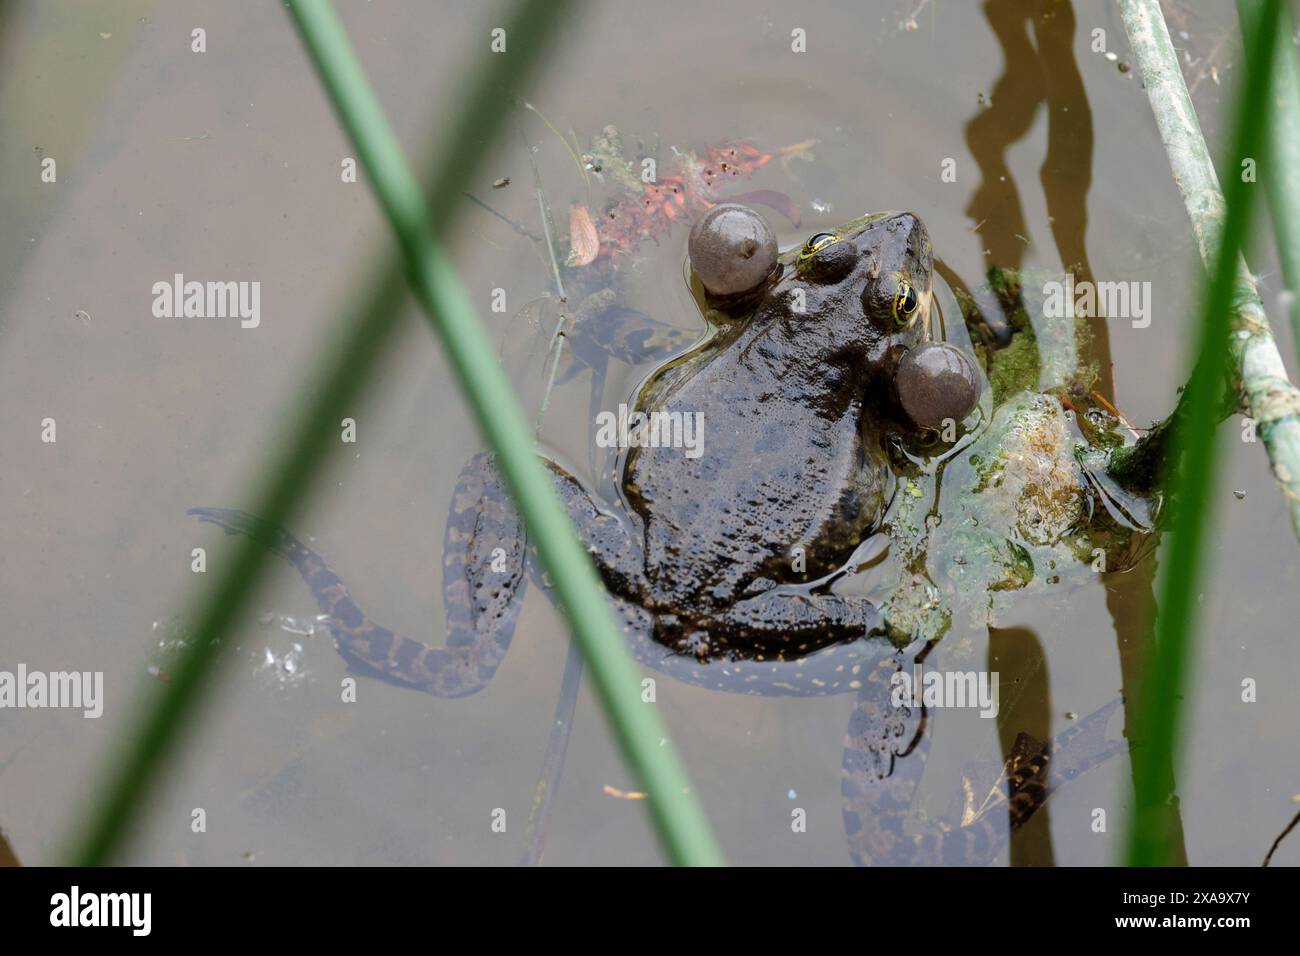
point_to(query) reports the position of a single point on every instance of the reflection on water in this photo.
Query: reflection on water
(227, 165)
(1037, 41)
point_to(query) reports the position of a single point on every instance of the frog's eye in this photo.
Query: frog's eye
(817, 243)
(905, 302)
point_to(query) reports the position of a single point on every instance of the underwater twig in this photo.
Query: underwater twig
(517, 227)
(557, 337)
(557, 741)
(1270, 398)
(577, 161)
(1281, 836)
(557, 745)
(552, 365)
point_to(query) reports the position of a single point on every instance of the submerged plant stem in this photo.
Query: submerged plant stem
(1256, 367)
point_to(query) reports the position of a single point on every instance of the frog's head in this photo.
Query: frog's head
(872, 277)
(854, 299)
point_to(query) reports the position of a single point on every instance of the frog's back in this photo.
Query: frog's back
(773, 472)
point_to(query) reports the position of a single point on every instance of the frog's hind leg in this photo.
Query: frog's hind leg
(483, 586)
(879, 785)
(885, 751)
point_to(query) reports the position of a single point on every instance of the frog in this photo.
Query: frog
(817, 372)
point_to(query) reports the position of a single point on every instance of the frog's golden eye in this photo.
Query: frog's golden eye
(818, 242)
(905, 302)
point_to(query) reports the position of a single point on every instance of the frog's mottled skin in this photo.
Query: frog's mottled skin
(792, 410)
(717, 565)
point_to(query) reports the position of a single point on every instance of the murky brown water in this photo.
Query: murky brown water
(225, 165)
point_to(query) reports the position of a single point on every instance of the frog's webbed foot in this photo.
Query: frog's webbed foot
(483, 586)
(1034, 769)
(884, 758)
(998, 798)
(1075, 751)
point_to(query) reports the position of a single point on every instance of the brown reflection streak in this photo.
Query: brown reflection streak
(7, 855)
(1130, 599)
(1043, 71)
(1049, 74)
(1017, 655)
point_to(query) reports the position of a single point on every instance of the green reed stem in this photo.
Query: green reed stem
(353, 351)
(1165, 672)
(677, 815)
(1282, 177)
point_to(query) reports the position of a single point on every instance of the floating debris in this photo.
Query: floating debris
(623, 794)
(501, 183)
(285, 669)
(294, 625)
(584, 244)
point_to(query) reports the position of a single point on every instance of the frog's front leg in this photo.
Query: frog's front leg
(607, 536)
(788, 623)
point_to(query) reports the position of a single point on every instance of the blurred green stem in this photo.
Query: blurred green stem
(641, 733)
(1256, 369)
(352, 352)
(1281, 182)
(1229, 296)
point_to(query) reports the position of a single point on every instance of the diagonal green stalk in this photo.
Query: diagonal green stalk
(1281, 184)
(641, 733)
(1159, 705)
(353, 352)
